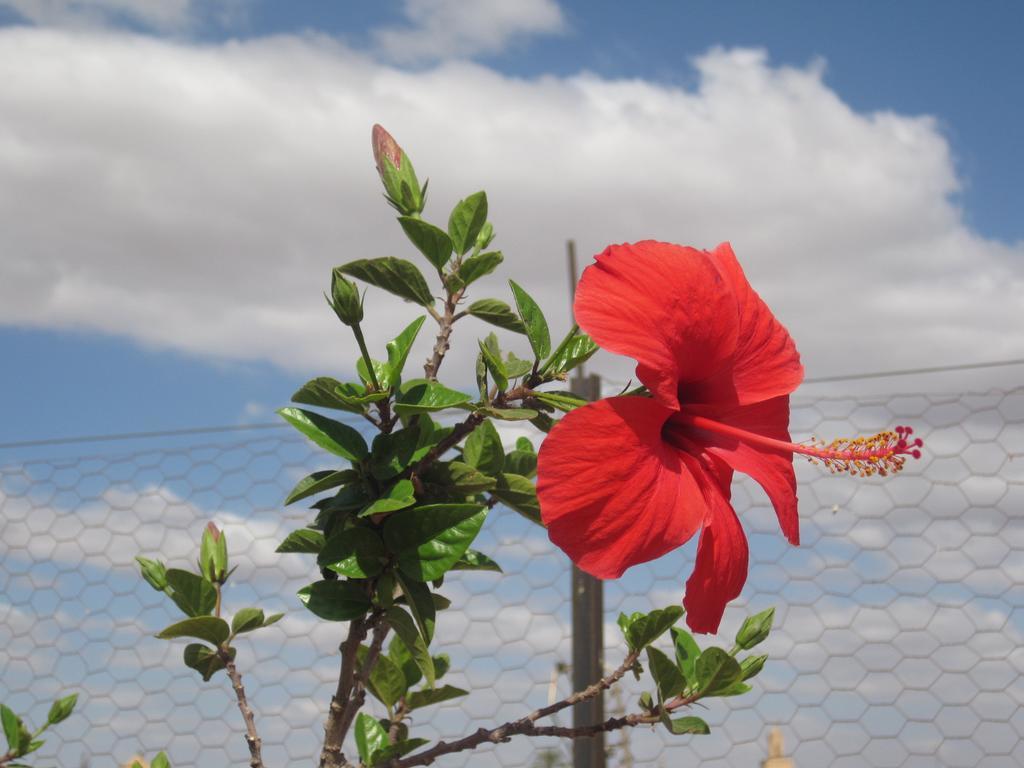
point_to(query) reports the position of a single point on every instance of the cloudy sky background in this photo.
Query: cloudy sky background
(179, 178)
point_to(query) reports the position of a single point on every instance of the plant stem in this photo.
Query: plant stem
(358, 332)
(251, 737)
(357, 695)
(524, 726)
(331, 755)
(445, 322)
(458, 432)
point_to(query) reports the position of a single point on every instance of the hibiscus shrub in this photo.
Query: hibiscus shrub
(618, 482)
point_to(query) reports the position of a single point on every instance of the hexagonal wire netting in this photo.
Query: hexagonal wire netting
(900, 617)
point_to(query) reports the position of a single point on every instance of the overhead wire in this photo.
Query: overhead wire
(249, 427)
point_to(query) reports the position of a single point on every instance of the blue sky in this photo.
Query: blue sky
(111, 333)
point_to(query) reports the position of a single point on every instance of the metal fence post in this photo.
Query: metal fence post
(587, 608)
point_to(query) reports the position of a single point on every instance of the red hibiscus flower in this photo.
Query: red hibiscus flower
(628, 479)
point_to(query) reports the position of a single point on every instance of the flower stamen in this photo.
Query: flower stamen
(882, 454)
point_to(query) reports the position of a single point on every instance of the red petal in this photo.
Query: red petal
(772, 469)
(721, 567)
(765, 363)
(666, 306)
(612, 492)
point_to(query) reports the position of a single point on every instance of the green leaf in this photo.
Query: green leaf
(419, 699)
(209, 628)
(497, 313)
(475, 267)
(643, 629)
(476, 561)
(154, 572)
(393, 452)
(574, 349)
(160, 761)
(736, 689)
(421, 396)
(524, 444)
(392, 751)
(396, 276)
(716, 671)
(687, 652)
(520, 494)
(466, 220)
(398, 349)
(405, 628)
(492, 360)
(356, 395)
(12, 728)
(521, 463)
(193, 594)
(533, 319)
(340, 439)
(684, 725)
(755, 629)
(483, 449)
(272, 619)
(205, 661)
(442, 663)
(335, 600)
(517, 367)
(380, 372)
(646, 702)
(421, 605)
(398, 496)
(402, 658)
(323, 393)
(370, 736)
(563, 401)
(429, 540)
(386, 682)
(431, 241)
(669, 680)
(246, 620)
(458, 477)
(61, 709)
(354, 552)
(318, 482)
(509, 414)
(348, 499)
(752, 665)
(302, 540)
(543, 422)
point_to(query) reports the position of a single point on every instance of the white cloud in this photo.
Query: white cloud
(196, 198)
(449, 29)
(155, 14)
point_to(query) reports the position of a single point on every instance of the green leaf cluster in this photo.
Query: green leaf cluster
(688, 674)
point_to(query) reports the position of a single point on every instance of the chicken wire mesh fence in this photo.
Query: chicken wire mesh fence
(900, 618)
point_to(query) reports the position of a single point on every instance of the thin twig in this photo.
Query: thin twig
(524, 726)
(458, 432)
(251, 737)
(394, 731)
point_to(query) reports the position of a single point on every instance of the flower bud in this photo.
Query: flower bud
(154, 573)
(397, 174)
(484, 238)
(213, 554)
(345, 300)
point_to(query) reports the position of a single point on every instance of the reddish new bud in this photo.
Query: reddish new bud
(384, 145)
